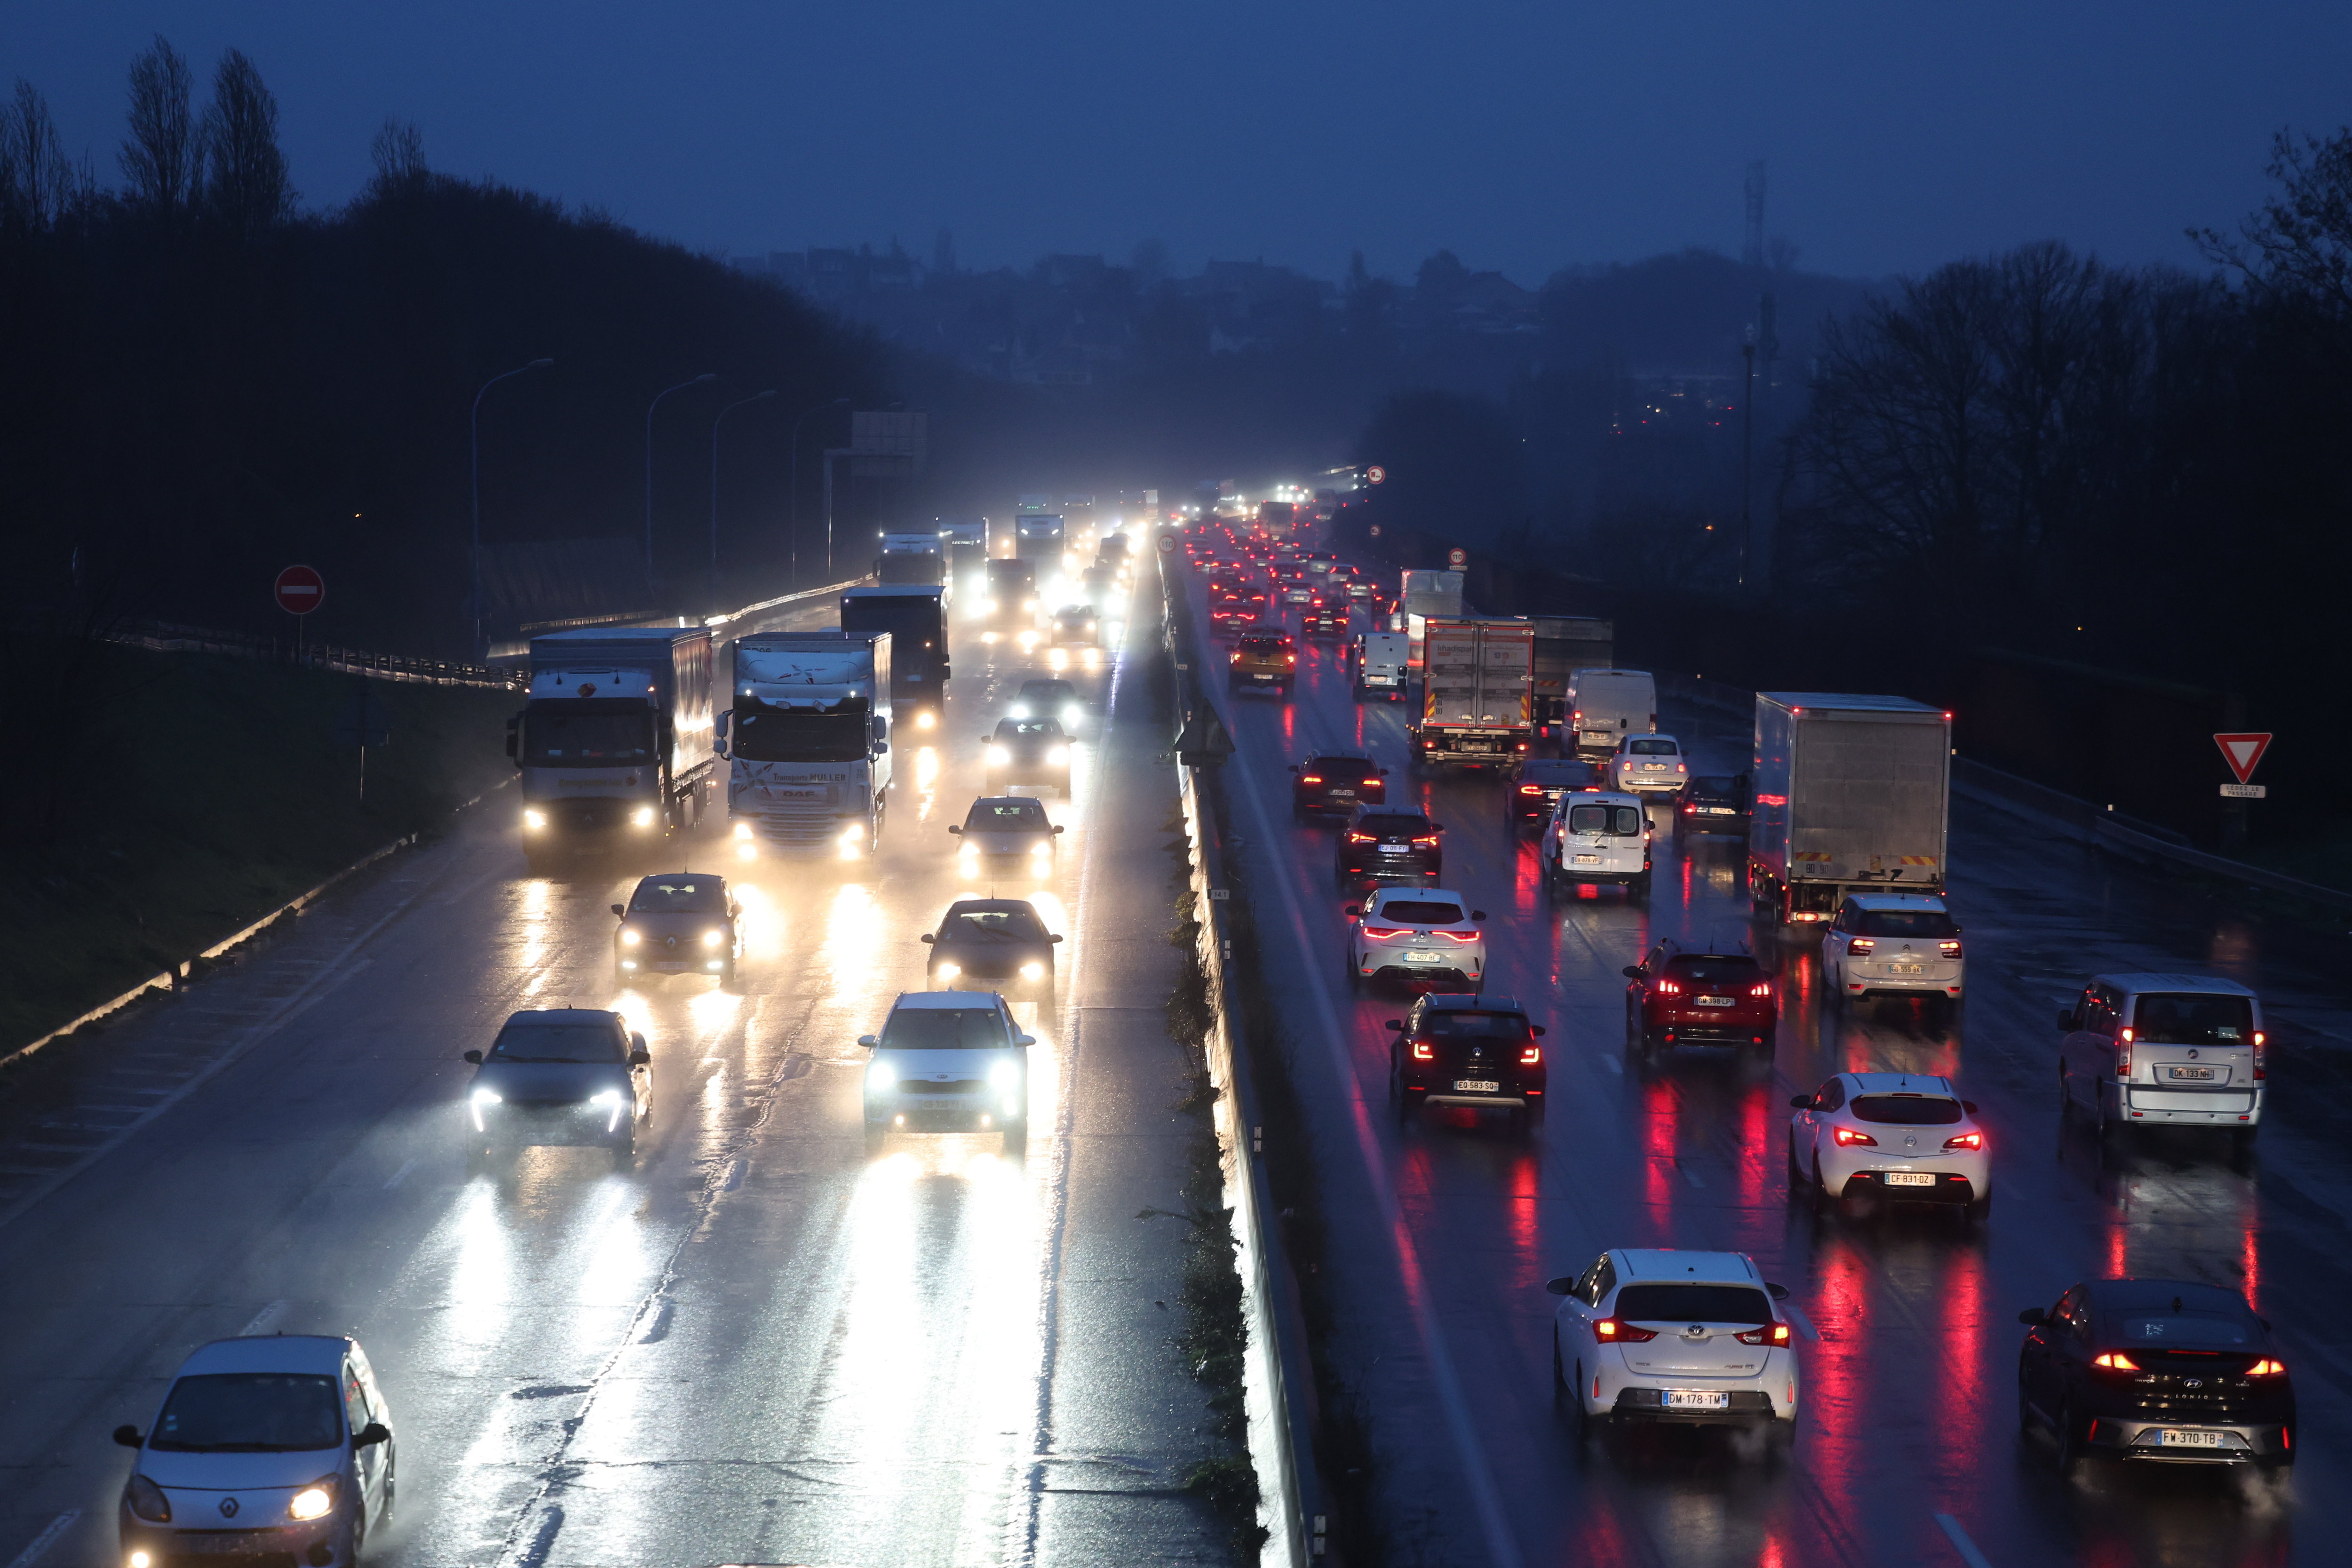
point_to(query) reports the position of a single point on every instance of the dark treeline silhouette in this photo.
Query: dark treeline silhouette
(205, 383)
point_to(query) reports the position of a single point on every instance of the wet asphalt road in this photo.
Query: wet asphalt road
(755, 1346)
(1907, 1451)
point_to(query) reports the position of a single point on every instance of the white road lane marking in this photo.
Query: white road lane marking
(1960, 1541)
(264, 1319)
(402, 1174)
(46, 1539)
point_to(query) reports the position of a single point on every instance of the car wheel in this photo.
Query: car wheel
(1981, 1209)
(1355, 973)
(2070, 1443)
(727, 981)
(1823, 1197)
(1796, 1170)
(1559, 1383)
(1516, 1121)
(1592, 1425)
(2065, 1095)
(2024, 1406)
(1640, 887)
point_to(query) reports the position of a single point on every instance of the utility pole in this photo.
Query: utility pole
(1746, 453)
(474, 428)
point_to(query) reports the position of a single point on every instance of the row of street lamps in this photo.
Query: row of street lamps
(475, 425)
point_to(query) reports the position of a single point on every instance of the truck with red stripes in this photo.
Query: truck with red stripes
(1851, 795)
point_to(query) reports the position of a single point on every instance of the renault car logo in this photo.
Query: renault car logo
(228, 1508)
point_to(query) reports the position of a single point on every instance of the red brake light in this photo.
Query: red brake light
(1861, 944)
(1530, 1056)
(1422, 1050)
(1762, 988)
(1669, 988)
(1457, 935)
(1847, 1137)
(1769, 1334)
(1355, 838)
(1948, 949)
(1531, 789)
(1689, 809)
(1610, 1331)
(2116, 1360)
(1310, 778)
(1966, 1141)
(2123, 1052)
(1381, 933)
(2261, 1052)
(1428, 838)
(2267, 1368)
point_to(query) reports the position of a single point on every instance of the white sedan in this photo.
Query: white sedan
(1422, 937)
(1649, 762)
(1894, 1136)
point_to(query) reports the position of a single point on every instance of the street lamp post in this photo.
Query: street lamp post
(681, 387)
(755, 397)
(795, 521)
(473, 425)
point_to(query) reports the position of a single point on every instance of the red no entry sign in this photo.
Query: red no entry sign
(299, 590)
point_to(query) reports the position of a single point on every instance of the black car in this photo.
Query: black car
(1388, 844)
(1041, 698)
(1026, 751)
(1336, 783)
(559, 1075)
(1713, 803)
(992, 945)
(1467, 1050)
(2162, 1370)
(677, 922)
(1319, 620)
(1541, 781)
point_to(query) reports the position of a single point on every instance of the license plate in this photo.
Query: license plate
(226, 1545)
(1258, 676)
(1424, 958)
(777, 793)
(1712, 1001)
(2174, 1438)
(1393, 848)
(1588, 860)
(1695, 1399)
(1341, 794)
(1909, 1178)
(1476, 1085)
(1653, 767)
(2189, 1075)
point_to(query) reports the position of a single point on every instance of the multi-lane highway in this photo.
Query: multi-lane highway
(757, 1345)
(1443, 1231)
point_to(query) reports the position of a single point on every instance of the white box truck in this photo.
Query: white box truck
(1421, 595)
(808, 743)
(1604, 706)
(614, 740)
(1564, 645)
(1475, 692)
(1853, 794)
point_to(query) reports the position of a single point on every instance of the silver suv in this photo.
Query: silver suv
(2164, 1049)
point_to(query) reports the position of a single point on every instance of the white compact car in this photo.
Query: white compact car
(1594, 837)
(948, 1061)
(1649, 762)
(264, 1449)
(1894, 944)
(1422, 937)
(1685, 1338)
(1891, 1135)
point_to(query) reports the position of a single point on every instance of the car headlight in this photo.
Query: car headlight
(314, 1501)
(606, 1097)
(742, 830)
(927, 719)
(1033, 970)
(1072, 714)
(1042, 846)
(1004, 1074)
(486, 1097)
(1019, 711)
(644, 818)
(988, 606)
(996, 756)
(631, 938)
(853, 833)
(1058, 755)
(532, 821)
(713, 938)
(1028, 604)
(949, 970)
(880, 1075)
(147, 1501)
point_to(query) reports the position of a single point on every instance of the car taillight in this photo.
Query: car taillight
(1531, 789)
(2261, 1052)
(1688, 809)
(1424, 1050)
(1948, 949)
(1611, 1332)
(1381, 933)
(1848, 1137)
(1966, 1141)
(1762, 988)
(2123, 1052)
(1769, 1334)
(2115, 1361)
(1457, 935)
(2267, 1368)
(1682, 767)
(1861, 944)
(1530, 1056)
(1669, 988)
(1290, 659)
(1427, 839)
(1355, 838)
(1310, 778)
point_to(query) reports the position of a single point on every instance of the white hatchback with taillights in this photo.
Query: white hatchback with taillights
(1422, 937)
(1655, 1335)
(1894, 944)
(1649, 762)
(1897, 1136)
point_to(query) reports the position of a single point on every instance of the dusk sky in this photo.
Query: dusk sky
(1523, 136)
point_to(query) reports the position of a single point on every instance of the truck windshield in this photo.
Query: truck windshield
(587, 731)
(766, 735)
(2194, 1019)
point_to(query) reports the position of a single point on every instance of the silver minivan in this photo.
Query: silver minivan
(2165, 1051)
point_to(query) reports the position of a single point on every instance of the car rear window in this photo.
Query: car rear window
(1906, 1110)
(1421, 912)
(1393, 827)
(2189, 1330)
(1903, 922)
(1716, 785)
(1650, 748)
(1342, 767)
(1558, 773)
(1693, 1304)
(1623, 821)
(1720, 969)
(1451, 1025)
(944, 1029)
(2193, 1018)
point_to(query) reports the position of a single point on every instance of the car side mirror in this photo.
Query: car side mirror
(641, 1058)
(1777, 1292)
(1562, 1286)
(1536, 1029)
(1800, 1102)
(636, 1042)
(1437, 827)
(927, 937)
(1631, 972)
(1294, 767)
(1353, 910)
(1477, 915)
(2068, 1021)
(869, 1041)
(1025, 1039)
(368, 1436)
(955, 830)
(1397, 1023)
(474, 1058)
(2034, 1317)
(1969, 1106)
(881, 747)
(1055, 938)
(621, 909)
(1059, 828)
(128, 1437)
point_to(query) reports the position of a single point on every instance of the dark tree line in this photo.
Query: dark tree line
(203, 381)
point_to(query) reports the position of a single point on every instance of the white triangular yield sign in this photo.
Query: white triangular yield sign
(2242, 753)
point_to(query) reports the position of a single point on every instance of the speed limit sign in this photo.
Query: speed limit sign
(1456, 559)
(1376, 475)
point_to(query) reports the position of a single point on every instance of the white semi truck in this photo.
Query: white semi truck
(808, 743)
(1853, 796)
(614, 741)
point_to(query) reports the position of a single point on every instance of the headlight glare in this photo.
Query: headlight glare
(1058, 755)
(713, 938)
(644, 818)
(949, 970)
(742, 830)
(314, 1501)
(606, 1097)
(486, 1097)
(1004, 1074)
(532, 821)
(997, 756)
(631, 938)
(1033, 970)
(880, 1075)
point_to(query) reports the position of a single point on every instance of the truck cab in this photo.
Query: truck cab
(614, 740)
(807, 744)
(1012, 602)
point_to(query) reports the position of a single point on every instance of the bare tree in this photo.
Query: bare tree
(2300, 243)
(38, 185)
(246, 188)
(161, 158)
(399, 151)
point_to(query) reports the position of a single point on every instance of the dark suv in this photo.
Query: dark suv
(2164, 1370)
(1713, 805)
(1336, 783)
(1385, 843)
(1467, 1050)
(1540, 783)
(1675, 997)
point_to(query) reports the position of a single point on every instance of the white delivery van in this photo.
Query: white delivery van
(1376, 659)
(1597, 838)
(1604, 706)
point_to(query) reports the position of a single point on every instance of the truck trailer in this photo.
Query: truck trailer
(1475, 692)
(1564, 644)
(911, 557)
(614, 740)
(915, 619)
(1853, 796)
(807, 744)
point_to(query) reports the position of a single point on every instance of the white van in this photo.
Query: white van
(1376, 659)
(1604, 706)
(2164, 1049)
(1597, 837)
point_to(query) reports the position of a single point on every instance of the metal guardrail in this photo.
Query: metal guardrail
(165, 637)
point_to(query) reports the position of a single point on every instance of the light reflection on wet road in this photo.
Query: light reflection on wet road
(1910, 1385)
